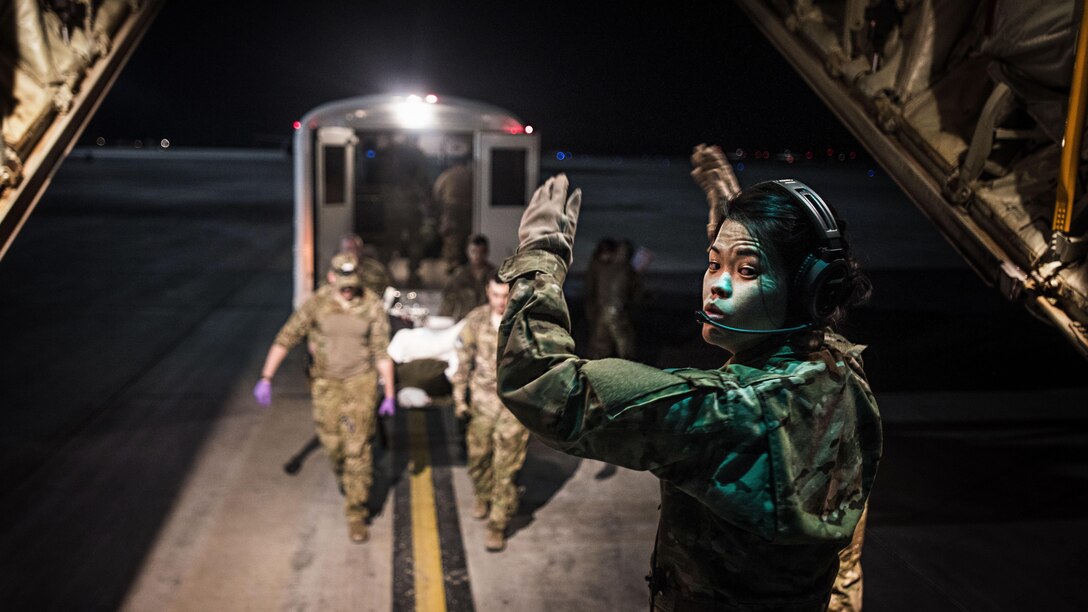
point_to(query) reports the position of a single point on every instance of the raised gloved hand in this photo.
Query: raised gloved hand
(460, 410)
(262, 392)
(388, 407)
(713, 173)
(550, 219)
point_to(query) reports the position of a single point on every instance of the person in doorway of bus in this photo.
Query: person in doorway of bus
(347, 332)
(452, 192)
(467, 287)
(615, 292)
(373, 273)
(766, 463)
(496, 440)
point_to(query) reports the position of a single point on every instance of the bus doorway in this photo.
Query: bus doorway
(415, 178)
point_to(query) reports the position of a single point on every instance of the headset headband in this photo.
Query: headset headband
(817, 210)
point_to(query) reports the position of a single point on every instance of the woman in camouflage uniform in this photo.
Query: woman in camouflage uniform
(766, 463)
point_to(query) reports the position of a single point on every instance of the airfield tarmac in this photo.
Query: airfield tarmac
(138, 302)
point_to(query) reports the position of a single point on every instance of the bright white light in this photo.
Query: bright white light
(431, 98)
(528, 129)
(413, 114)
(164, 143)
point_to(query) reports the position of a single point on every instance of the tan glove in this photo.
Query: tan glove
(713, 173)
(460, 410)
(550, 219)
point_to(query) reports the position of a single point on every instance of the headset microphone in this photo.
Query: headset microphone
(702, 317)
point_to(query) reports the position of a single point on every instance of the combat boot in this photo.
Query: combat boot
(479, 509)
(496, 540)
(358, 531)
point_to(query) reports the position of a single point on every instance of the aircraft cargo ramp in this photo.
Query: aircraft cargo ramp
(56, 67)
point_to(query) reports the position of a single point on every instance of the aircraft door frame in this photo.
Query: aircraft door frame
(332, 218)
(497, 215)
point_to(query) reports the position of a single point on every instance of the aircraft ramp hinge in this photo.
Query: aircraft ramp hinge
(1068, 248)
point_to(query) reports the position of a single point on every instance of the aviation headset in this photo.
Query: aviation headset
(819, 282)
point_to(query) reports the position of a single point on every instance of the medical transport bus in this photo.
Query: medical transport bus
(368, 165)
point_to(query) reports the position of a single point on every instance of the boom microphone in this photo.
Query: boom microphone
(702, 317)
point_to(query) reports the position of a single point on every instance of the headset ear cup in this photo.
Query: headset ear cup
(827, 287)
(819, 286)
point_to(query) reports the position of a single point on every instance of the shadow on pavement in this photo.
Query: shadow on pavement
(543, 475)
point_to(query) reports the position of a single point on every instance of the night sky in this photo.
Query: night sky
(592, 79)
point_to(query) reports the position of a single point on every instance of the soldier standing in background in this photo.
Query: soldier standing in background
(453, 194)
(496, 440)
(598, 262)
(347, 332)
(615, 288)
(373, 273)
(467, 287)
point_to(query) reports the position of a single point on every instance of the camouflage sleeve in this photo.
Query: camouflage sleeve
(379, 332)
(297, 326)
(466, 357)
(613, 410)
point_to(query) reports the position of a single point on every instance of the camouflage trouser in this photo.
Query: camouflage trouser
(344, 414)
(612, 335)
(846, 593)
(496, 451)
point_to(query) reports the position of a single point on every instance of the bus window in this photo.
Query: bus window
(334, 175)
(507, 177)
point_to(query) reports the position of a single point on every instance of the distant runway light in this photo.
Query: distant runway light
(164, 143)
(370, 153)
(139, 144)
(296, 124)
(560, 155)
(570, 155)
(431, 98)
(414, 99)
(808, 154)
(740, 167)
(830, 151)
(739, 152)
(528, 129)
(853, 155)
(871, 173)
(100, 141)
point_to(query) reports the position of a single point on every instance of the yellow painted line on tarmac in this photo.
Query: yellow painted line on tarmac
(430, 590)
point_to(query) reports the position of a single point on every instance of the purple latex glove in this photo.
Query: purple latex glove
(263, 392)
(388, 407)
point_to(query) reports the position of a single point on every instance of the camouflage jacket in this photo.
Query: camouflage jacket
(765, 467)
(344, 341)
(477, 352)
(464, 291)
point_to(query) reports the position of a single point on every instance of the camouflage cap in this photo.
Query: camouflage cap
(345, 267)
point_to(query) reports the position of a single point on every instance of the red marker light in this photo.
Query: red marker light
(296, 124)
